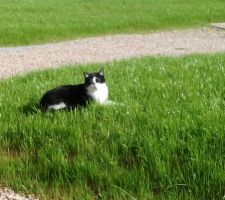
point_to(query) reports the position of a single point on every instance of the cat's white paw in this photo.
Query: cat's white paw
(110, 103)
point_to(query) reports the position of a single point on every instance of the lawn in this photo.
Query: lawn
(29, 22)
(164, 140)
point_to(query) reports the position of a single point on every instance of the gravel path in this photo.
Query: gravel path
(8, 194)
(17, 60)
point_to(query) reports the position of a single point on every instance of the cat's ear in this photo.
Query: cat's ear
(86, 75)
(101, 72)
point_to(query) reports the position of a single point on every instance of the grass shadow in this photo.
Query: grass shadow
(30, 108)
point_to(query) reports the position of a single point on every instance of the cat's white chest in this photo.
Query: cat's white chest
(98, 92)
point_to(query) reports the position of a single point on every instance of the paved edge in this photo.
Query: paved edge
(218, 25)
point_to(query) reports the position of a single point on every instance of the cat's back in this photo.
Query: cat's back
(67, 95)
(65, 90)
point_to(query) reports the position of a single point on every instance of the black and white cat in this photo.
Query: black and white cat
(71, 96)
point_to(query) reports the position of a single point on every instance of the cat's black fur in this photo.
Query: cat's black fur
(72, 95)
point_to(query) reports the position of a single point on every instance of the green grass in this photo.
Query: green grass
(29, 21)
(166, 140)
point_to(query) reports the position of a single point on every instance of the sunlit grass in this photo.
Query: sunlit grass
(165, 140)
(29, 21)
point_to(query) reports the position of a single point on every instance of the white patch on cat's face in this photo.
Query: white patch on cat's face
(94, 86)
(94, 80)
(57, 106)
(98, 92)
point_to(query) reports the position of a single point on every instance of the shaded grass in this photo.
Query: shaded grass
(165, 140)
(29, 21)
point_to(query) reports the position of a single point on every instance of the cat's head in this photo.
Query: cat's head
(94, 78)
